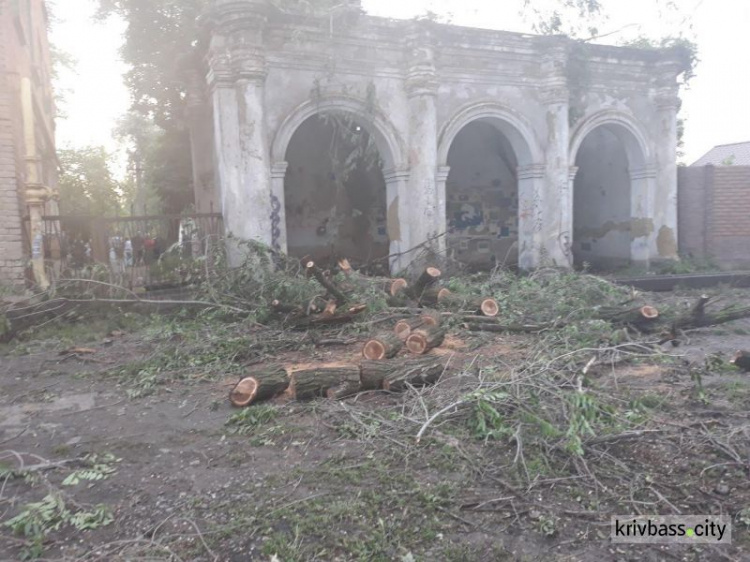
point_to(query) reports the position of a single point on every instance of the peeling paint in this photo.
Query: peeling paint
(642, 227)
(666, 243)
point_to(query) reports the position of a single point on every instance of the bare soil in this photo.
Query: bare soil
(345, 481)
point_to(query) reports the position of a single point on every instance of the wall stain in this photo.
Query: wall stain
(666, 243)
(394, 225)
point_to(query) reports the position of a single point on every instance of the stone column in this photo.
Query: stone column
(279, 240)
(642, 193)
(421, 86)
(664, 242)
(237, 79)
(531, 182)
(398, 213)
(557, 198)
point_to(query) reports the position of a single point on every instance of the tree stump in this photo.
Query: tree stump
(431, 318)
(382, 346)
(263, 385)
(423, 340)
(432, 296)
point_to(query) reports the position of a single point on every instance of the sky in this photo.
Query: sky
(716, 104)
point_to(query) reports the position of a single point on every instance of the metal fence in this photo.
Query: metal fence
(151, 252)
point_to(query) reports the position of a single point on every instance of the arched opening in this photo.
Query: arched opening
(604, 191)
(335, 192)
(482, 196)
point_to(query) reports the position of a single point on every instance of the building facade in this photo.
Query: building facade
(494, 147)
(28, 162)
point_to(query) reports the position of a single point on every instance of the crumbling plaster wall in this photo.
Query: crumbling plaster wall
(414, 86)
(601, 208)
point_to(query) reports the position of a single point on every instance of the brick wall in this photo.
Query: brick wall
(12, 258)
(714, 214)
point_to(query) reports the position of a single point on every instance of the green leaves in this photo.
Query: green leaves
(101, 468)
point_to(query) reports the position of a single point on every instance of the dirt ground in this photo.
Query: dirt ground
(340, 481)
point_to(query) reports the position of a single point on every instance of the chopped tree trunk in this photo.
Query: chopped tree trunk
(433, 295)
(404, 328)
(263, 385)
(310, 383)
(325, 282)
(382, 346)
(428, 278)
(700, 318)
(431, 318)
(742, 360)
(373, 373)
(397, 286)
(343, 390)
(487, 307)
(484, 306)
(503, 328)
(638, 317)
(282, 308)
(322, 320)
(345, 267)
(330, 309)
(423, 340)
(414, 372)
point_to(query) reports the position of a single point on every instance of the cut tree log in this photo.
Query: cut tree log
(382, 346)
(699, 317)
(325, 282)
(314, 382)
(373, 373)
(503, 328)
(485, 306)
(282, 308)
(742, 360)
(431, 318)
(404, 328)
(638, 317)
(397, 286)
(414, 372)
(321, 320)
(343, 390)
(262, 385)
(428, 278)
(330, 309)
(434, 295)
(422, 340)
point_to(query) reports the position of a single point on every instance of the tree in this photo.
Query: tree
(87, 186)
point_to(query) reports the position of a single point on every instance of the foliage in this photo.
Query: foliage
(249, 419)
(37, 519)
(100, 467)
(87, 185)
(683, 49)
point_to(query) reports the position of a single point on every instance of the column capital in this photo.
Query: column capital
(249, 64)
(668, 99)
(278, 170)
(531, 171)
(396, 174)
(572, 173)
(443, 172)
(647, 172)
(421, 74)
(555, 93)
(220, 73)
